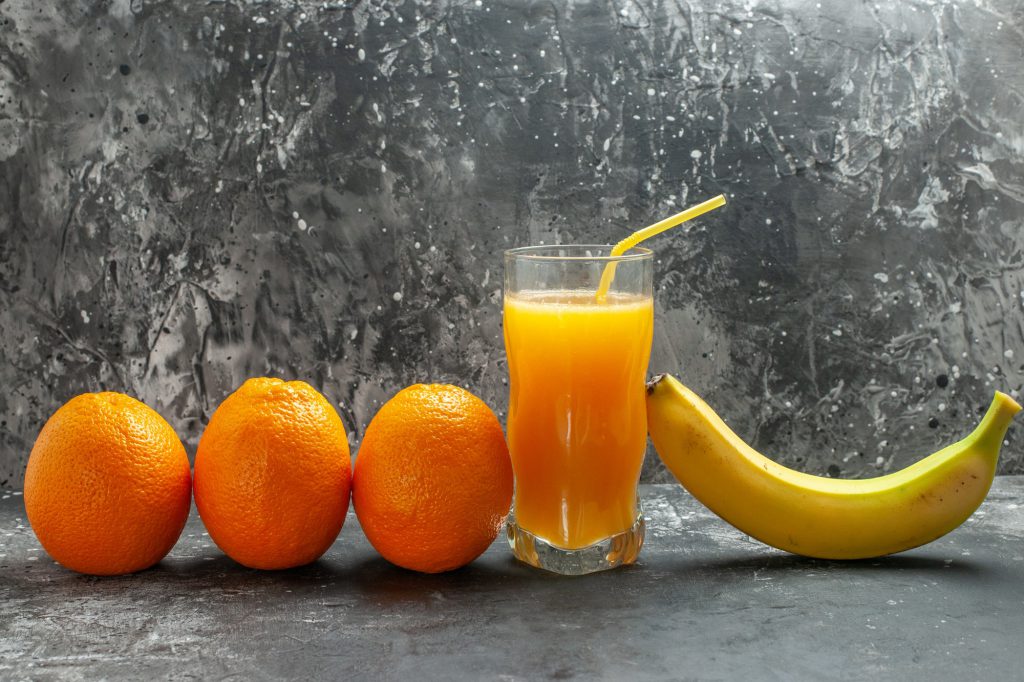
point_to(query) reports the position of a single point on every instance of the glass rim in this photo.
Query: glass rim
(536, 253)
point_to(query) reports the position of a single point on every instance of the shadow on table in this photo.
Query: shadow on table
(335, 579)
(783, 563)
(505, 578)
(500, 577)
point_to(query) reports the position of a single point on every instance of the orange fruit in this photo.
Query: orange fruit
(108, 487)
(433, 479)
(272, 474)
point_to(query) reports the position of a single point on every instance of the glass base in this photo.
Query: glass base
(617, 550)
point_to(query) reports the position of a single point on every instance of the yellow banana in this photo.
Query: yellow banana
(812, 515)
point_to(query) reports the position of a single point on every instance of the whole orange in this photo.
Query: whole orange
(272, 474)
(107, 488)
(433, 478)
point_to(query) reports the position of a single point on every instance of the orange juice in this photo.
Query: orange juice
(577, 422)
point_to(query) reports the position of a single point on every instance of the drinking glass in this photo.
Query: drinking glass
(577, 421)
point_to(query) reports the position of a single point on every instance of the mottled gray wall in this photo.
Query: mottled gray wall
(192, 193)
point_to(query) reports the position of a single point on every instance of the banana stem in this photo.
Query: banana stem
(996, 421)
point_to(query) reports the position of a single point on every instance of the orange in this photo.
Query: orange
(273, 474)
(433, 479)
(107, 488)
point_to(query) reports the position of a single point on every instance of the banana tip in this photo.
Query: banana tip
(1012, 405)
(655, 380)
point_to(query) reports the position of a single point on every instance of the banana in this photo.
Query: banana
(815, 516)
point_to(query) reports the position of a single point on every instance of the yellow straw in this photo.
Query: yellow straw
(646, 233)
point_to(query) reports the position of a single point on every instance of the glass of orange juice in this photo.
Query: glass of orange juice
(577, 422)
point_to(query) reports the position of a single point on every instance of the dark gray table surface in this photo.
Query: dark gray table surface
(704, 603)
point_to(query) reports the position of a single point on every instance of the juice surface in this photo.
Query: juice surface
(577, 422)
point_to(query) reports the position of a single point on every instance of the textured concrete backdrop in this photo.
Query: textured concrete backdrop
(192, 193)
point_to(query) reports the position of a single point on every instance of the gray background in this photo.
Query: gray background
(193, 193)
